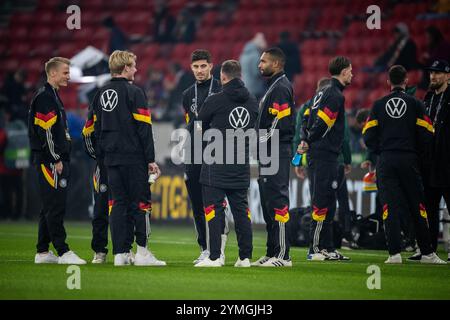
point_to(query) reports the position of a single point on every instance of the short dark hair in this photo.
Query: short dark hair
(337, 64)
(201, 54)
(323, 82)
(277, 54)
(397, 75)
(231, 68)
(362, 115)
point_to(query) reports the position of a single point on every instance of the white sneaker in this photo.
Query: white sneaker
(432, 258)
(70, 258)
(242, 263)
(222, 259)
(99, 258)
(395, 259)
(209, 263)
(122, 259)
(131, 257)
(148, 259)
(48, 257)
(276, 262)
(322, 255)
(203, 255)
(260, 261)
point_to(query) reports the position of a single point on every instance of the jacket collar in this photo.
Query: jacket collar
(119, 79)
(275, 77)
(336, 83)
(204, 83)
(397, 89)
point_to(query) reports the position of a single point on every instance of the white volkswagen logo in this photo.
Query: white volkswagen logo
(239, 118)
(109, 100)
(317, 99)
(396, 107)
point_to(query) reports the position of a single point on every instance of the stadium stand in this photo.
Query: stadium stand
(33, 31)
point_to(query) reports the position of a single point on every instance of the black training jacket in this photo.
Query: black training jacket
(398, 123)
(234, 110)
(202, 93)
(276, 110)
(440, 154)
(47, 127)
(326, 124)
(123, 126)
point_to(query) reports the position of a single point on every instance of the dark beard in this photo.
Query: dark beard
(267, 73)
(436, 86)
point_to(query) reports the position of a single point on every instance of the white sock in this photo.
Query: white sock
(224, 242)
(142, 250)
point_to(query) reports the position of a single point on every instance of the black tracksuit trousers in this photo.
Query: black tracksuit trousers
(131, 206)
(432, 201)
(274, 194)
(100, 221)
(214, 212)
(194, 189)
(401, 191)
(324, 183)
(53, 192)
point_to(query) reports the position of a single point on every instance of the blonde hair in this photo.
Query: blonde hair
(119, 59)
(54, 62)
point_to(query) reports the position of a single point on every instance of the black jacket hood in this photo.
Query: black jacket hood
(236, 91)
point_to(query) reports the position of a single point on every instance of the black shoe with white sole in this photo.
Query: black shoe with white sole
(415, 257)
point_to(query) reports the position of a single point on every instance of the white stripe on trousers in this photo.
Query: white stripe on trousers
(207, 235)
(316, 240)
(51, 145)
(147, 226)
(282, 238)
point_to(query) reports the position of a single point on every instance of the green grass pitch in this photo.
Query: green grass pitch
(20, 278)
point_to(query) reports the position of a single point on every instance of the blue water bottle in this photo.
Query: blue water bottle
(297, 160)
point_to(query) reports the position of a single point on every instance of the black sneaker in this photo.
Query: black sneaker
(336, 255)
(415, 257)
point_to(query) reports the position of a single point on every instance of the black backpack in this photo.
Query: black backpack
(368, 233)
(299, 222)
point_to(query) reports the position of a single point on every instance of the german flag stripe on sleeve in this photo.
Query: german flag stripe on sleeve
(282, 215)
(145, 206)
(426, 123)
(385, 212)
(210, 212)
(48, 175)
(328, 116)
(143, 114)
(110, 205)
(281, 110)
(95, 182)
(88, 128)
(45, 121)
(369, 124)
(319, 214)
(249, 215)
(423, 211)
(186, 117)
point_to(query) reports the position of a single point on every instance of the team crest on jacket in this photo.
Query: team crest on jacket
(108, 100)
(63, 183)
(396, 108)
(239, 118)
(334, 185)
